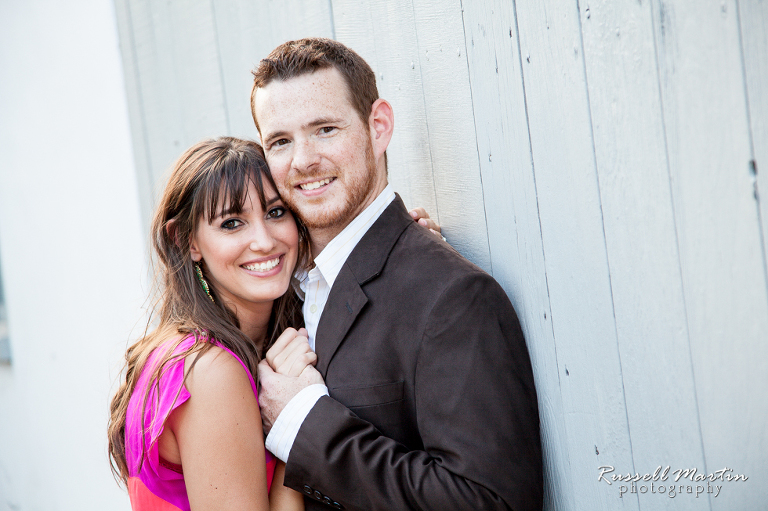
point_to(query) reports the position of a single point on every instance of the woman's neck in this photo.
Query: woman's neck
(254, 321)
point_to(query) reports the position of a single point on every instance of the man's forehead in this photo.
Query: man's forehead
(321, 88)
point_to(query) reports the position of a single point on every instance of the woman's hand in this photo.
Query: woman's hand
(422, 217)
(291, 353)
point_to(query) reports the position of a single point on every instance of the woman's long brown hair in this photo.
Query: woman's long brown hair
(210, 175)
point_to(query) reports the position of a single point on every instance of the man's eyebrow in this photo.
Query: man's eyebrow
(322, 120)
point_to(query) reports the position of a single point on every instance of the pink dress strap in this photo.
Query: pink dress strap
(155, 484)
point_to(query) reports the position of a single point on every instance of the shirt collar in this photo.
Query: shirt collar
(329, 262)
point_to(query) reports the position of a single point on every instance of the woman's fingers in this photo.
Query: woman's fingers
(422, 217)
(298, 357)
(280, 344)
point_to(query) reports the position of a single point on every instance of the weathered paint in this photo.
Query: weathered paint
(594, 157)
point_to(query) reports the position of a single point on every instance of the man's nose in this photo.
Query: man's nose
(262, 240)
(305, 156)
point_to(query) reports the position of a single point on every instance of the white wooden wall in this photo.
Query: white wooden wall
(601, 159)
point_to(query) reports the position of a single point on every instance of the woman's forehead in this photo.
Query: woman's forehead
(253, 198)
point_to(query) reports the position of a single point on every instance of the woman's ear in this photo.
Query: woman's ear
(171, 229)
(194, 250)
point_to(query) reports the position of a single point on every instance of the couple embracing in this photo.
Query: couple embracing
(392, 373)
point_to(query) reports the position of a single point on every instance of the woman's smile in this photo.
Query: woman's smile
(265, 268)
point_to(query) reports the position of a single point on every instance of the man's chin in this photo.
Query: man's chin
(319, 217)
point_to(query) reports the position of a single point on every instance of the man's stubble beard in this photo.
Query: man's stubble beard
(357, 191)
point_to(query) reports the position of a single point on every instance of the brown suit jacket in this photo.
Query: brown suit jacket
(432, 402)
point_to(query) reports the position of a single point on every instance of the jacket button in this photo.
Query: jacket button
(307, 490)
(328, 500)
(318, 495)
(337, 505)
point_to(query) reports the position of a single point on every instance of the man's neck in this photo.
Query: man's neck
(320, 238)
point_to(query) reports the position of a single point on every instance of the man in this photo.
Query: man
(429, 400)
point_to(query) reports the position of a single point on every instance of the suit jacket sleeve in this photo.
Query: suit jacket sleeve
(477, 417)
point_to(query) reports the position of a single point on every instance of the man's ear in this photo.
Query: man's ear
(382, 125)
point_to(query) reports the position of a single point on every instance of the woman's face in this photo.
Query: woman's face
(248, 257)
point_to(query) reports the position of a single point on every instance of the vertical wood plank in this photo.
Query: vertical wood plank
(707, 131)
(180, 81)
(390, 46)
(455, 160)
(648, 295)
(246, 32)
(436, 70)
(575, 254)
(141, 159)
(753, 26)
(514, 232)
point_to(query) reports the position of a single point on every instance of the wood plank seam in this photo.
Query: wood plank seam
(605, 243)
(477, 146)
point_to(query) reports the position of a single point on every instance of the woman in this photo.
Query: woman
(185, 430)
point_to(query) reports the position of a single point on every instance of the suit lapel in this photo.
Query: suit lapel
(344, 304)
(347, 297)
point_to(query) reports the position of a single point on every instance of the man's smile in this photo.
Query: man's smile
(313, 185)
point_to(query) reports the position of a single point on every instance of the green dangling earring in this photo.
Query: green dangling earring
(201, 279)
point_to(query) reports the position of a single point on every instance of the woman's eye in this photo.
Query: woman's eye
(276, 212)
(230, 224)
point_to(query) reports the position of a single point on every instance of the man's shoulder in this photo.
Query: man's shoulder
(418, 246)
(423, 258)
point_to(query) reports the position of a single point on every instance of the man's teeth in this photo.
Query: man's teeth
(265, 266)
(316, 184)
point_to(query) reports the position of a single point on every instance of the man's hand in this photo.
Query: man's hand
(277, 390)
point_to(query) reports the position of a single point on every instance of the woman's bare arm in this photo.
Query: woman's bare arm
(282, 498)
(219, 436)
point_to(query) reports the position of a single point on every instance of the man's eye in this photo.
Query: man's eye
(230, 224)
(327, 129)
(277, 212)
(280, 142)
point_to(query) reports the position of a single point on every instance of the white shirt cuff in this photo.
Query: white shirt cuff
(283, 433)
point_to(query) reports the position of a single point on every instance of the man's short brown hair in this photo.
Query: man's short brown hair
(296, 58)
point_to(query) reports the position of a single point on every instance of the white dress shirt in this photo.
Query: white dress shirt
(316, 286)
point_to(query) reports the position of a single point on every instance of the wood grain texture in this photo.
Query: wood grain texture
(133, 86)
(638, 215)
(445, 80)
(390, 46)
(514, 231)
(422, 45)
(177, 64)
(246, 31)
(595, 158)
(753, 27)
(575, 253)
(707, 133)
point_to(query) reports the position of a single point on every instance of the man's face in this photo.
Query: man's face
(318, 149)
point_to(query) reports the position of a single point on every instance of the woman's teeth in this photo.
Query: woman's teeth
(265, 266)
(316, 184)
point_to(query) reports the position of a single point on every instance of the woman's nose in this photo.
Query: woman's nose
(261, 238)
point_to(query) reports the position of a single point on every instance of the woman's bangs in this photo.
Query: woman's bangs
(227, 190)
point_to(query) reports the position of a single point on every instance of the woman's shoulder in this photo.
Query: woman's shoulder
(217, 368)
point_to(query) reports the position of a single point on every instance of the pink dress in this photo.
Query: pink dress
(159, 486)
